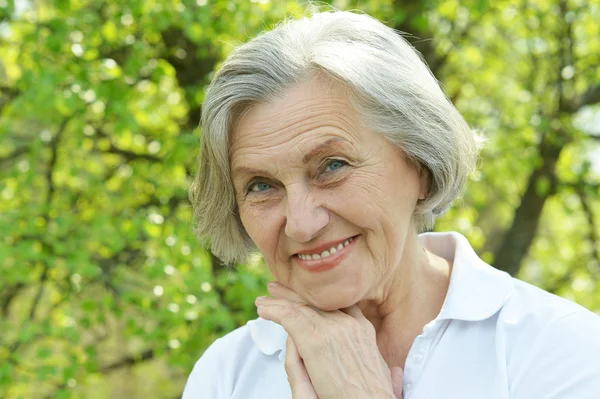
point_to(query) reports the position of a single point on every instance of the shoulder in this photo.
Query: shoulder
(232, 362)
(221, 359)
(552, 345)
(537, 310)
(532, 315)
(536, 306)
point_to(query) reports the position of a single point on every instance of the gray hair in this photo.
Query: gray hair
(390, 85)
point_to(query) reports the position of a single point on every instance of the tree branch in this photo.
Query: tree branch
(590, 97)
(11, 94)
(127, 256)
(594, 266)
(10, 91)
(51, 189)
(9, 294)
(425, 45)
(12, 156)
(566, 56)
(130, 155)
(190, 70)
(63, 384)
(592, 94)
(534, 73)
(129, 361)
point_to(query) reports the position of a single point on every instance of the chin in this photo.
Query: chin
(328, 307)
(332, 303)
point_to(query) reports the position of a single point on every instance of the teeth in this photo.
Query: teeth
(325, 253)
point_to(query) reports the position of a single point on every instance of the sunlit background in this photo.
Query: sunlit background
(104, 290)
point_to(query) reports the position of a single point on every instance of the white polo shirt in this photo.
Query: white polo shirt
(496, 337)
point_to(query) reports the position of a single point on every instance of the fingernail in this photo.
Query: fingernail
(260, 299)
(273, 284)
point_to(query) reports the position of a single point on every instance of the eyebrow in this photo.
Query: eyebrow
(319, 149)
(324, 146)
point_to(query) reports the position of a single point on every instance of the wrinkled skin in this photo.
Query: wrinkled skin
(306, 172)
(354, 368)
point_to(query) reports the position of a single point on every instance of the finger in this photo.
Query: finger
(296, 318)
(354, 311)
(298, 377)
(397, 381)
(357, 314)
(279, 290)
(267, 300)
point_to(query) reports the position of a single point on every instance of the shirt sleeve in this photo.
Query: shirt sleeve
(206, 379)
(563, 362)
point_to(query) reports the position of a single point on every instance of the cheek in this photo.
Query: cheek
(263, 227)
(377, 203)
(258, 227)
(375, 198)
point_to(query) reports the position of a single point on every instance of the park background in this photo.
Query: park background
(104, 290)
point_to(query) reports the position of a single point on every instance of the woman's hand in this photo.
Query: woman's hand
(330, 355)
(298, 377)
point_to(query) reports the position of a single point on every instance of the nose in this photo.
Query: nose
(305, 219)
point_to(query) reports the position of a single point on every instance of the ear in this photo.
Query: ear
(424, 177)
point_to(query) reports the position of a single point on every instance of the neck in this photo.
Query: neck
(407, 300)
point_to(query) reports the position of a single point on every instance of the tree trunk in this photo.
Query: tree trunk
(542, 184)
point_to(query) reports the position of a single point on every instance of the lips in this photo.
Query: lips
(328, 257)
(314, 254)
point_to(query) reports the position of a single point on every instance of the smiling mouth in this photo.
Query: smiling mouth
(328, 252)
(327, 259)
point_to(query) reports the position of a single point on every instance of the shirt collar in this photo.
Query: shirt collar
(268, 336)
(476, 291)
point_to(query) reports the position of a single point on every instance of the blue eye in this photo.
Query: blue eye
(258, 187)
(334, 164)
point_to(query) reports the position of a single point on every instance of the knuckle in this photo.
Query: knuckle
(288, 312)
(294, 310)
(298, 306)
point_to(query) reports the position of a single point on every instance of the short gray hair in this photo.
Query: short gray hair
(392, 88)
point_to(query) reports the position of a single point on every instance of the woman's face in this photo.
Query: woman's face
(310, 177)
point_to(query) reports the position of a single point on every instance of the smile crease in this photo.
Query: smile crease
(327, 252)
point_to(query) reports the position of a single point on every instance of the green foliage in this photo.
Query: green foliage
(105, 291)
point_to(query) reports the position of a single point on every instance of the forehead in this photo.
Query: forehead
(296, 119)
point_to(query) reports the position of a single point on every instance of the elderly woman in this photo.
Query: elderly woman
(328, 146)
